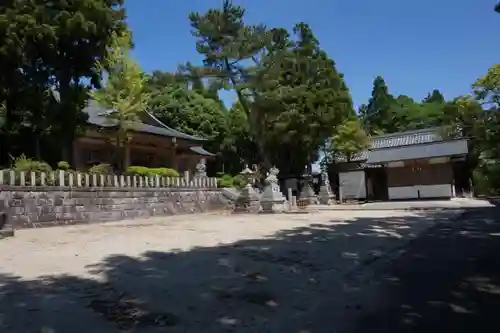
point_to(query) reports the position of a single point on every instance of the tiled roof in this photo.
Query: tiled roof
(406, 138)
(148, 124)
(201, 151)
(399, 139)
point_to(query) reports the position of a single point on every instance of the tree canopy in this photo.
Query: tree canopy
(48, 46)
(291, 99)
(287, 86)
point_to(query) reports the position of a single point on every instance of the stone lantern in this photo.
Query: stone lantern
(272, 200)
(325, 193)
(307, 194)
(248, 201)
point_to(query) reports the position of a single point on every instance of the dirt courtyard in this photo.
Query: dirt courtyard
(199, 273)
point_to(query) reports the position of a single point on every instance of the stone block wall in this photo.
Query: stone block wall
(39, 206)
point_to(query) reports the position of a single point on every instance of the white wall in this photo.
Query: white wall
(426, 191)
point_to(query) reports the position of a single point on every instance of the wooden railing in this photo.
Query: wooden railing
(76, 179)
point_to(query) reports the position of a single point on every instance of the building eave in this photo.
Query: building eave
(149, 124)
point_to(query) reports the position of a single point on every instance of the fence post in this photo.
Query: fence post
(61, 178)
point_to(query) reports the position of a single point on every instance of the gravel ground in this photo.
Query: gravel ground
(201, 273)
(447, 280)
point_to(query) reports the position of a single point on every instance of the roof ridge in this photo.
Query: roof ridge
(159, 122)
(419, 131)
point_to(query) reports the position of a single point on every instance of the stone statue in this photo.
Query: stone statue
(272, 200)
(201, 168)
(272, 179)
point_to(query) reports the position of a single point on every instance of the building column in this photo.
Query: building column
(126, 159)
(77, 156)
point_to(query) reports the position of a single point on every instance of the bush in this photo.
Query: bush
(23, 163)
(138, 171)
(28, 165)
(164, 172)
(487, 179)
(239, 181)
(145, 171)
(225, 181)
(101, 169)
(63, 165)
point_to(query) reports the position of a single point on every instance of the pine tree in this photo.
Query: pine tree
(227, 44)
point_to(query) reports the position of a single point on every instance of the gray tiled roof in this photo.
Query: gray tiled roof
(148, 124)
(400, 139)
(406, 138)
(201, 151)
(414, 152)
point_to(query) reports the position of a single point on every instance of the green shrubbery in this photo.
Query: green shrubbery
(29, 165)
(101, 169)
(145, 171)
(226, 180)
(487, 179)
(26, 164)
(63, 165)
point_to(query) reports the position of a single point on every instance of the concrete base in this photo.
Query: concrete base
(307, 194)
(6, 233)
(5, 228)
(273, 201)
(272, 208)
(247, 202)
(325, 195)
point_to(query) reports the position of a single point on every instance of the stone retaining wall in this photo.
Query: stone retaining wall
(31, 207)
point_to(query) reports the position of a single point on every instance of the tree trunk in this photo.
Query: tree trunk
(266, 163)
(67, 115)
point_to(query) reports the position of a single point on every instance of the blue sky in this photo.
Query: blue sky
(416, 46)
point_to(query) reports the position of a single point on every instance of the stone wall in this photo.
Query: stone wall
(30, 207)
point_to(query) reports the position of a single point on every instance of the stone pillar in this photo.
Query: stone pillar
(272, 200)
(126, 163)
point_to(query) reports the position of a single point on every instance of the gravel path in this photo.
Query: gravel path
(200, 273)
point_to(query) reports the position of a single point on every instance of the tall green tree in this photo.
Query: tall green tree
(77, 35)
(377, 116)
(46, 46)
(227, 43)
(487, 93)
(434, 97)
(188, 111)
(308, 100)
(406, 114)
(287, 86)
(348, 140)
(124, 93)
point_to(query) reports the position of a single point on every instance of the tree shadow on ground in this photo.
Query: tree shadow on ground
(320, 278)
(448, 280)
